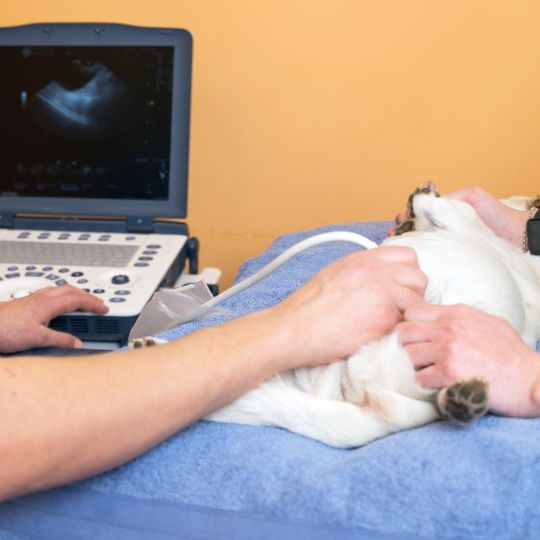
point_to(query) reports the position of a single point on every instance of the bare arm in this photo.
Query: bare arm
(66, 418)
(506, 222)
(448, 343)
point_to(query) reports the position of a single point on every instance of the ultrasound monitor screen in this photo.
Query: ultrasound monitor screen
(86, 122)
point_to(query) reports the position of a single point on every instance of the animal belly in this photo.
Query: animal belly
(462, 270)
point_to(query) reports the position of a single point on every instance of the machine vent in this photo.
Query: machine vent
(78, 325)
(107, 326)
(60, 324)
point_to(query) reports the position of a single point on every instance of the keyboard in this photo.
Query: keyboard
(123, 269)
(67, 253)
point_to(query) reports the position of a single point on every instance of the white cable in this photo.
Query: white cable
(337, 236)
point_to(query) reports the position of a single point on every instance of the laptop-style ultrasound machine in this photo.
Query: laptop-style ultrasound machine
(94, 155)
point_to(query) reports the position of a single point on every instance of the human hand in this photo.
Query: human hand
(506, 222)
(450, 343)
(23, 322)
(350, 303)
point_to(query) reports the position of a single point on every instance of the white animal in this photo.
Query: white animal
(373, 392)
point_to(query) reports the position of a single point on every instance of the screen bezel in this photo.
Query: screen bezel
(98, 34)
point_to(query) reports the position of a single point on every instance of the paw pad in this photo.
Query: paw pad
(464, 401)
(140, 343)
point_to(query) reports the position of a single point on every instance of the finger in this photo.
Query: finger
(422, 354)
(401, 217)
(44, 290)
(397, 254)
(405, 297)
(432, 378)
(426, 312)
(417, 331)
(466, 195)
(56, 291)
(413, 278)
(52, 338)
(56, 303)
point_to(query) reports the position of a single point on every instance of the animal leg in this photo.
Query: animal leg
(464, 401)
(401, 411)
(336, 423)
(408, 224)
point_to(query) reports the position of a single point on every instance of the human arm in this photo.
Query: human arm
(67, 418)
(449, 343)
(23, 322)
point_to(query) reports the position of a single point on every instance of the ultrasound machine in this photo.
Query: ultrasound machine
(93, 166)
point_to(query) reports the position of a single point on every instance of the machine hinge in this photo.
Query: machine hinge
(7, 220)
(138, 224)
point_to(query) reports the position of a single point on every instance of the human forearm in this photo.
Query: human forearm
(506, 222)
(64, 419)
(68, 418)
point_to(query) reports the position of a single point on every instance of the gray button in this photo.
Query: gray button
(34, 274)
(122, 292)
(83, 280)
(52, 277)
(140, 264)
(13, 268)
(63, 270)
(16, 274)
(98, 291)
(61, 282)
(146, 258)
(117, 299)
(120, 279)
(153, 246)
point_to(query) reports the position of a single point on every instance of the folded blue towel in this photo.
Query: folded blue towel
(225, 481)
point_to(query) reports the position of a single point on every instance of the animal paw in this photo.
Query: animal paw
(464, 401)
(140, 343)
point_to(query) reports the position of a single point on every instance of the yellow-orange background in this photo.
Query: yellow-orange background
(308, 112)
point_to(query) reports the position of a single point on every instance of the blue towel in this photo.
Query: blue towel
(225, 481)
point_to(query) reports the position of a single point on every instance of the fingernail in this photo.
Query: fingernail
(78, 344)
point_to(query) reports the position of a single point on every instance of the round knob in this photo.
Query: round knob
(120, 279)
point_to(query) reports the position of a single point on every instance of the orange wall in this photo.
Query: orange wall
(308, 112)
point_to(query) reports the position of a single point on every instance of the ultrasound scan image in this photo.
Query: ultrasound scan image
(89, 122)
(96, 110)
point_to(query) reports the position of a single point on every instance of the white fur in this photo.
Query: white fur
(373, 393)
(519, 202)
